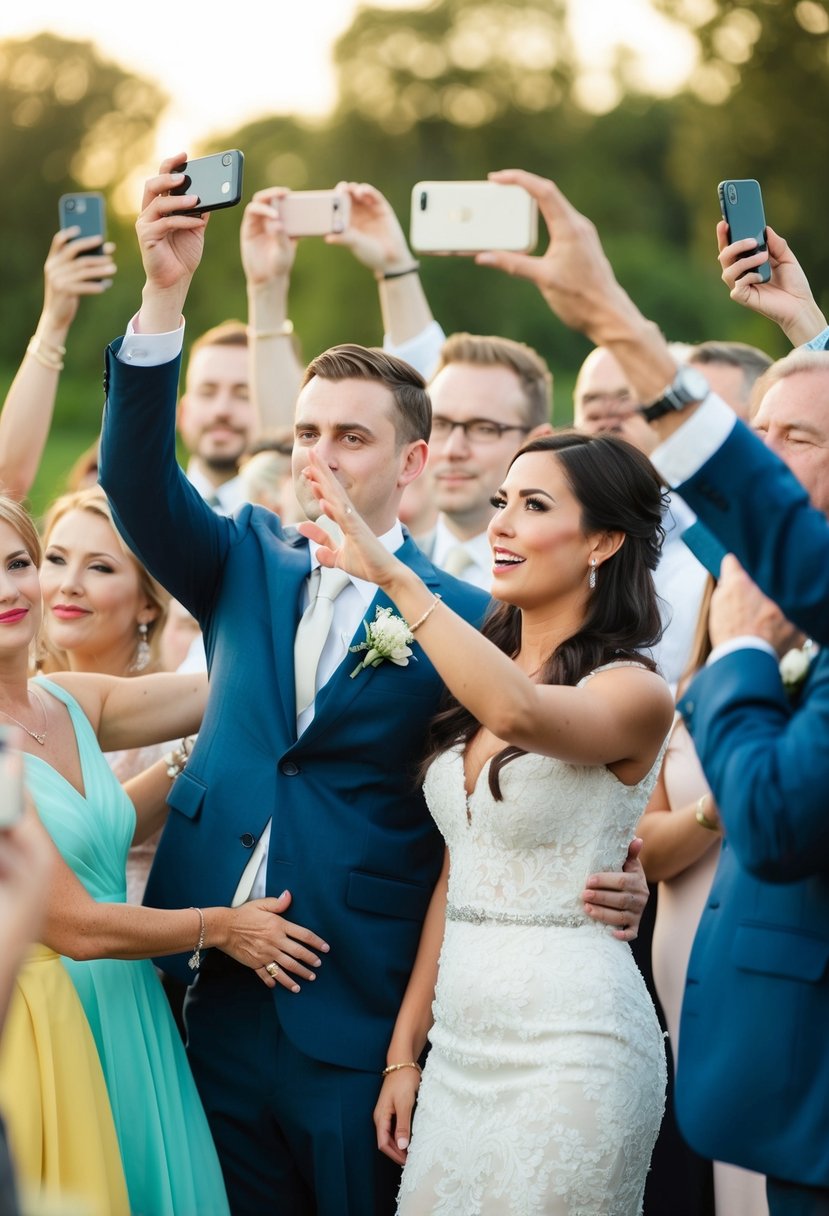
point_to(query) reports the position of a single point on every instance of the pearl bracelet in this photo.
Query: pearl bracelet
(426, 614)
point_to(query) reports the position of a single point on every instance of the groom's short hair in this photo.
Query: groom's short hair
(413, 419)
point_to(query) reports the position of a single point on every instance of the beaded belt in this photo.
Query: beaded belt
(477, 916)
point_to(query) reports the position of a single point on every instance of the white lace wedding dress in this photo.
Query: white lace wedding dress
(544, 1087)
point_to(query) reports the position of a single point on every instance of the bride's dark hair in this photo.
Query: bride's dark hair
(618, 490)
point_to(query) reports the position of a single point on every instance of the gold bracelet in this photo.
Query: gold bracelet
(284, 331)
(396, 1067)
(194, 961)
(701, 817)
(426, 614)
(53, 363)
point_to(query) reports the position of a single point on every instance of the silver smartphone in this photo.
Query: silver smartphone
(11, 776)
(467, 217)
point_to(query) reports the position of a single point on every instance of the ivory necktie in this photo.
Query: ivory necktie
(457, 561)
(312, 632)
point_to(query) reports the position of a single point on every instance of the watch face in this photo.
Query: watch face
(690, 384)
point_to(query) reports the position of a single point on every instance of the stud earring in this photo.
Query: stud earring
(142, 650)
(591, 578)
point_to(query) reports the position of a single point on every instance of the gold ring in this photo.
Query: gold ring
(272, 970)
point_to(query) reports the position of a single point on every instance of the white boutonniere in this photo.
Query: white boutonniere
(794, 666)
(387, 637)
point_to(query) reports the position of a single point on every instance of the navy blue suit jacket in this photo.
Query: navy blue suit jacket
(351, 837)
(753, 1067)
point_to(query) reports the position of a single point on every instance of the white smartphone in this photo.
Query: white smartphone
(466, 217)
(314, 212)
(11, 776)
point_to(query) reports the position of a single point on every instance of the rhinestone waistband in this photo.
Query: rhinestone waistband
(478, 916)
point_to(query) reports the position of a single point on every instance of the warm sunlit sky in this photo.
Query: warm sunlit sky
(226, 63)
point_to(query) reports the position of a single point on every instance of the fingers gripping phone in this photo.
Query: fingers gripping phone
(466, 217)
(216, 179)
(314, 212)
(11, 776)
(86, 211)
(741, 204)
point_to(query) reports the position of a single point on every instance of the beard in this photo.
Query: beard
(221, 464)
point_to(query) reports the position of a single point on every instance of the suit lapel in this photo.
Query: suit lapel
(286, 567)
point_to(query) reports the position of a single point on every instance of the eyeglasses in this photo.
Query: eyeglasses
(476, 430)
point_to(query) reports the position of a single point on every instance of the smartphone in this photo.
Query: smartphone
(741, 204)
(705, 547)
(216, 179)
(85, 211)
(466, 217)
(11, 776)
(314, 212)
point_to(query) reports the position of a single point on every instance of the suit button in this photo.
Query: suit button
(289, 769)
(713, 903)
(247, 840)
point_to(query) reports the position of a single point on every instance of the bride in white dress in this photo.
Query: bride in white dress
(544, 1085)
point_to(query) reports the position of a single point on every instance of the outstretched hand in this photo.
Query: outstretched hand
(373, 234)
(359, 551)
(267, 251)
(73, 270)
(786, 299)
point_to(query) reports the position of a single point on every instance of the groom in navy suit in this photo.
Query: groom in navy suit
(318, 799)
(753, 1069)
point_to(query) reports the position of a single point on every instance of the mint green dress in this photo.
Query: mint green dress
(169, 1158)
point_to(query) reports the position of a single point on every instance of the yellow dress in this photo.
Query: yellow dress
(54, 1098)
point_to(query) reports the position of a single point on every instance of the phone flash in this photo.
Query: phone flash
(225, 187)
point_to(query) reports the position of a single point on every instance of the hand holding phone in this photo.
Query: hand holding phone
(84, 210)
(741, 204)
(470, 217)
(216, 180)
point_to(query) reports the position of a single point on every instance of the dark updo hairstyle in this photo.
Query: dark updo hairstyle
(618, 491)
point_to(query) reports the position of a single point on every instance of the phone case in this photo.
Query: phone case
(465, 217)
(314, 212)
(741, 204)
(84, 210)
(216, 179)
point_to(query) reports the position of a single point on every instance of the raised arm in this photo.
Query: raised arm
(267, 259)
(26, 418)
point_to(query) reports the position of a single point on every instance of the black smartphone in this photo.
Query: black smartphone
(741, 204)
(216, 179)
(705, 547)
(85, 211)
(11, 776)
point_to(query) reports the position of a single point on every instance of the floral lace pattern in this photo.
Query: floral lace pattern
(544, 1088)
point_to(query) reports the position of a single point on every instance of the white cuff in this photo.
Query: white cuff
(150, 350)
(422, 351)
(746, 642)
(820, 341)
(685, 452)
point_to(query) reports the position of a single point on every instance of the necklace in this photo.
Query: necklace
(38, 738)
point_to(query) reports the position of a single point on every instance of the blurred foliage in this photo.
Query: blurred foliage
(451, 90)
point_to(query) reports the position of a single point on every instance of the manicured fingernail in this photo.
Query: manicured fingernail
(284, 893)
(295, 988)
(403, 1143)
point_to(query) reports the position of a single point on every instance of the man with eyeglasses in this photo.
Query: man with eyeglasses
(489, 396)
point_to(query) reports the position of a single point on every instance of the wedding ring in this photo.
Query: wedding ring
(272, 970)
(348, 511)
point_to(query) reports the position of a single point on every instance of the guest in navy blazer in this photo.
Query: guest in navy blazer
(753, 1072)
(327, 798)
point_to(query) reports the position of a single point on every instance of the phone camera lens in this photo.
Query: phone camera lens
(423, 200)
(732, 193)
(70, 204)
(227, 158)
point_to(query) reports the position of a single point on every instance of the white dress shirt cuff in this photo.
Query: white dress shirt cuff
(820, 341)
(746, 642)
(685, 452)
(150, 350)
(422, 351)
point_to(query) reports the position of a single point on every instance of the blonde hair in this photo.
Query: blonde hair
(95, 501)
(17, 517)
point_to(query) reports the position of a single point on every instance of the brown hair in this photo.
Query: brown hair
(413, 419)
(95, 500)
(532, 371)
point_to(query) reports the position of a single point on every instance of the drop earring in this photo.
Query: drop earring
(591, 578)
(142, 650)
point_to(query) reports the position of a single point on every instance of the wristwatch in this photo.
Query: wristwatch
(689, 385)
